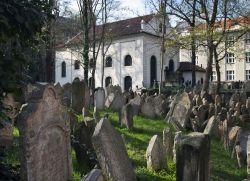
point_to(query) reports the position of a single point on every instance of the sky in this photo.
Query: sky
(131, 8)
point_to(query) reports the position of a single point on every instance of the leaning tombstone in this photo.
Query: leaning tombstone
(156, 159)
(111, 153)
(94, 175)
(45, 137)
(192, 158)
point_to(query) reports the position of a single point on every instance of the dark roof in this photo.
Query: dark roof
(114, 29)
(187, 67)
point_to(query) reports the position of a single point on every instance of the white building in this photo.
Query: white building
(133, 58)
(235, 63)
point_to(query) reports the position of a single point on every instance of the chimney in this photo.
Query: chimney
(142, 24)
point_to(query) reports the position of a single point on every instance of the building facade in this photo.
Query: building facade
(132, 58)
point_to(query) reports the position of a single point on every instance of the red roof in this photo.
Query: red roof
(115, 29)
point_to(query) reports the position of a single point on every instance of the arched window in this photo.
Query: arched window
(63, 69)
(108, 81)
(171, 65)
(108, 62)
(153, 70)
(77, 65)
(128, 60)
(127, 83)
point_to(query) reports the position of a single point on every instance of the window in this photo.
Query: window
(248, 57)
(108, 62)
(230, 41)
(196, 60)
(63, 69)
(77, 65)
(247, 38)
(230, 57)
(128, 60)
(214, 76)
(127, 83)
(247, 74)
(108, 81)
(230, 75)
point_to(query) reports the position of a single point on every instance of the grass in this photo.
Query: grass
(222, 168)
(136, 143)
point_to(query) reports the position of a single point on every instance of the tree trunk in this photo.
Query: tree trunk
(86, 42)
(209, 65)
(217, 67)
(193, 52)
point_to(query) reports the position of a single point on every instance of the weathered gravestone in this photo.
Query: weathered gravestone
(147, 108)
(67, 93)
(136, 103)
(99, 99)
(192, 158)
(127, 116)
(45, 137)
(80, 95)
(155, 154)
(177, 139)
(212, 128)
(168, 142)
(111, 153)
(94, 175)
(181, 110)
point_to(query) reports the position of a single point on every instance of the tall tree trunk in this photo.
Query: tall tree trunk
(209, 65)
(217, 67)
(94, 53)
(86, 41)
(104, 17)
(193, 57)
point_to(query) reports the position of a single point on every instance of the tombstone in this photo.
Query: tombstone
(99, 99)
(248, 103)
(168, 142)
(247, 86)
(78, 95)
(232, 135)
(217, 100)
(248, 157)
(207, 97)
(223, 114)
(196, 123)
(96, 115)
(67, 93)
(111, 153)
(198, 100)
(147, 108)
(117, 102)
(182, 109)
(45, 137)
(192, 158)
(212, 128)
(225, 134)
(177, 139)
(127, 116)
(211, 111)
(136, 103)
(94, 175)
(156, 159)
(159, 102)
(83, 145)
(202, 113)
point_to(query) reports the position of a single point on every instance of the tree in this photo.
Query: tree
(21, 24)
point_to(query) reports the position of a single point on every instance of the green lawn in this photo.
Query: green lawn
(222, 167)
